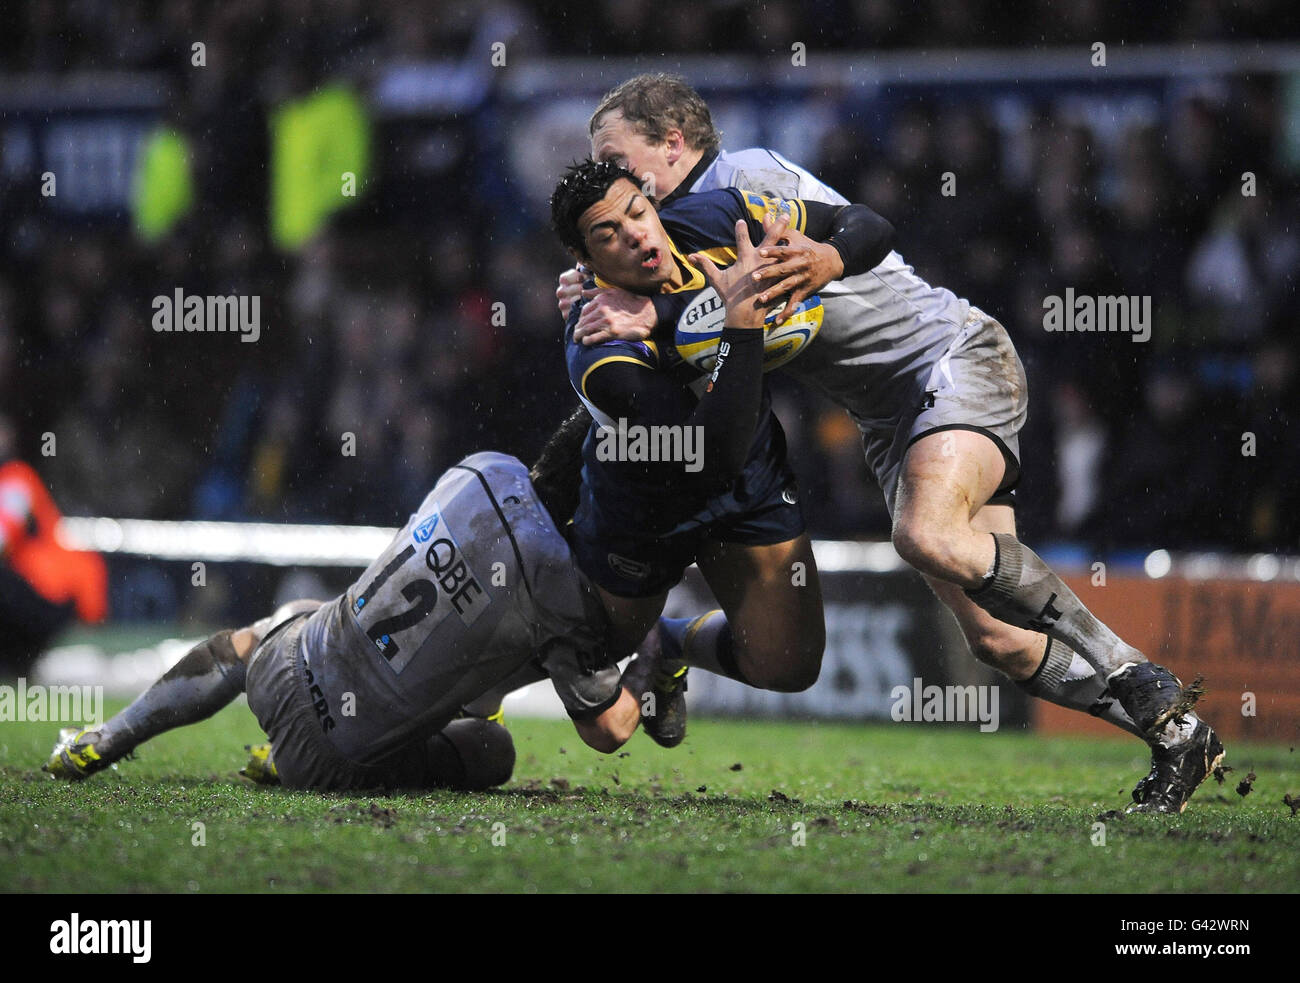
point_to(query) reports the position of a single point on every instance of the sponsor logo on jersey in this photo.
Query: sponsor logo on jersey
(399, 607)
(425, 529)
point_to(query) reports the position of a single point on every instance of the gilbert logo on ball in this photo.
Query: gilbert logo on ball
(700, 326)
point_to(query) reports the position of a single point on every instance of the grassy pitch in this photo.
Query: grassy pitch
(741, 806)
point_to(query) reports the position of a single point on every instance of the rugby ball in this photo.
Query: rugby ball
(700, 326)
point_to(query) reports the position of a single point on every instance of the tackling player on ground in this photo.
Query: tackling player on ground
(477, 595)
(939, 394)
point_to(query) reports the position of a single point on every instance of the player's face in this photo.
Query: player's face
(626, 243)
(615, 139)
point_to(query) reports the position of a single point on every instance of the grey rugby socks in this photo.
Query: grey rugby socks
(206, 678)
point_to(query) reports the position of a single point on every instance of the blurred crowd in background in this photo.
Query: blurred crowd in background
(59, 35)
(385, 325)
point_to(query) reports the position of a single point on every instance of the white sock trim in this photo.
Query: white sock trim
(1112, 675)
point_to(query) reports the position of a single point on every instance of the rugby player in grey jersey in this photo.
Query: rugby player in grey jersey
(397, 682)
(939, 395)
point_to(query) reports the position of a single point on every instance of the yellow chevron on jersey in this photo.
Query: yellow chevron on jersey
(760, 207)
(724, 254)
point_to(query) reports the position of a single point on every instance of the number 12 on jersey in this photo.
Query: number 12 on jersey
(394, 610)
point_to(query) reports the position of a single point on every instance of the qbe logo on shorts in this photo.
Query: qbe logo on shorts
(628, 569)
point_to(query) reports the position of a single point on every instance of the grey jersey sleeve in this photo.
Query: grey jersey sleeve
(586, 692)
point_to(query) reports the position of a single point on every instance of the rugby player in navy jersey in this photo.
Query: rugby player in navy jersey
(939, 395)
(397, 683)
(640, 523)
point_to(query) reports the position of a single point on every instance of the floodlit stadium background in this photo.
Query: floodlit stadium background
(200, 148)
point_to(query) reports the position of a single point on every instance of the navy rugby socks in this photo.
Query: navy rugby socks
(705, 643)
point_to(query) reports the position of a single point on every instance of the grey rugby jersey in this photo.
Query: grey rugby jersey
(477, 587)
(881, 330)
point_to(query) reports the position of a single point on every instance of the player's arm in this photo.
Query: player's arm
(727, 412)
(835, 242)
(604, 714)
(610, 730)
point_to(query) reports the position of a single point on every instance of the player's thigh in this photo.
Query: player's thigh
(248, 638)
(947, 477)
(771, 595)
(1014, 651)
(949, 473)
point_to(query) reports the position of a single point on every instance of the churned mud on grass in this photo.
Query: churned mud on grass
(381, 817)
(794, 818)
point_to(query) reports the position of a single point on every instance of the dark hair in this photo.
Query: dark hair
(656, 103)
(557, 474)
(583, 184)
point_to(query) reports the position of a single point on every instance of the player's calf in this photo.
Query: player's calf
(1022, 590)
(206, 679)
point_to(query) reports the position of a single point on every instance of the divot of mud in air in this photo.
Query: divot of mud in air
(1246, 784)
(1220, 772)
(1293, 802)
(1187, 702)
